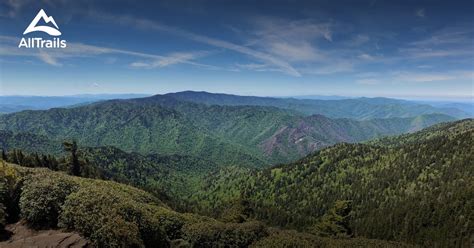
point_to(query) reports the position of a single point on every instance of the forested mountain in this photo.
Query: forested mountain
(29, 143)
(355, 108)
(110, 214)
(251, 136)
(416, 188)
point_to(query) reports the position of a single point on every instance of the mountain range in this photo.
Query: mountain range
(413, 189)
(228, 134)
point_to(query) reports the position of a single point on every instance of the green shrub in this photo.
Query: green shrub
(3, 214)
(113, 218)
(42, 196)
(218, 234)
(289, 239)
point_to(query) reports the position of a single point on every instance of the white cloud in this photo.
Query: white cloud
(47, 58)
(452, 36)
(420, 53)
(8, 48)
(151, 25)
(366, 56)
(299, 51)
(289, 39)
(357, 40)
(174, 58)
(420, 13)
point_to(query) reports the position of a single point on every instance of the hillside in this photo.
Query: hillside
(356, 108)
(417, 188)
(114, 215)
(131, 126)
(250, 136)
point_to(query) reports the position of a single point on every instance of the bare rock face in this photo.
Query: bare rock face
(24, 237)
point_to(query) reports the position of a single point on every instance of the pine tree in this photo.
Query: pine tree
(75, 166)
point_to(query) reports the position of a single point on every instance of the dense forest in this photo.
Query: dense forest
(414, 188)
(179, 171)
(251, 136)
(115, 215)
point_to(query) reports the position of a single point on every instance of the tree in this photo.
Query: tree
(238, 211)
(4, 155)
(74, 166)
(335, 223)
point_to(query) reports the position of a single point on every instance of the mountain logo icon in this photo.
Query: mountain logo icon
(47, 19)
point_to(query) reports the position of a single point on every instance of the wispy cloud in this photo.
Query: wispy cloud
(424, 53)
(448, 36)
(52, 56)
(420, 13)
(174, 58)
(293, 40)
(152, 25)
(47, 58)
(366, 56)
(397, 77)
(357, 40)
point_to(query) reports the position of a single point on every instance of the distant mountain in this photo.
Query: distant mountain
(251, 136)
(416, 187)
(131, 125)
(315, 132)
(357, 108)
(28, 142)
(467, 107)
(10, 104)
(320, 97)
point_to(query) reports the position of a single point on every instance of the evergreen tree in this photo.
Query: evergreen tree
(335, 223)
(75, 166)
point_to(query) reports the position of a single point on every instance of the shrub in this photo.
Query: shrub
(112, 217)
(42, 196)
(218, 234)
(288, 239)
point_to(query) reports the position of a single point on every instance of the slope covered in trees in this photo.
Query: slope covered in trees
(356, 108)
(110, 214)
(417, 188)
(249, 136)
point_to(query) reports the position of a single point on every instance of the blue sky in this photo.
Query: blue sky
(408, 49)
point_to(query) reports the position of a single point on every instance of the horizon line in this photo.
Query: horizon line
(299, 96)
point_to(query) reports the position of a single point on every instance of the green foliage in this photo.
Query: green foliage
(75, 166)
(250, 136)
(116, 215)
(42, 196)
(418, 191)
(3, 214)
(335, 223)
(238, 211)
(288, 239)
(112, 218)
(217, 234)
(357, 108)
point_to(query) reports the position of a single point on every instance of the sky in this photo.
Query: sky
(404, 49)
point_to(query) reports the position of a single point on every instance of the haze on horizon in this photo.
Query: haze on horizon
(407, 49)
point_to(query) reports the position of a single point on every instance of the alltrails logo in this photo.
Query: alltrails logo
(38, 42)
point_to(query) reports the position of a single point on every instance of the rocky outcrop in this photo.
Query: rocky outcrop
(24, 237)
